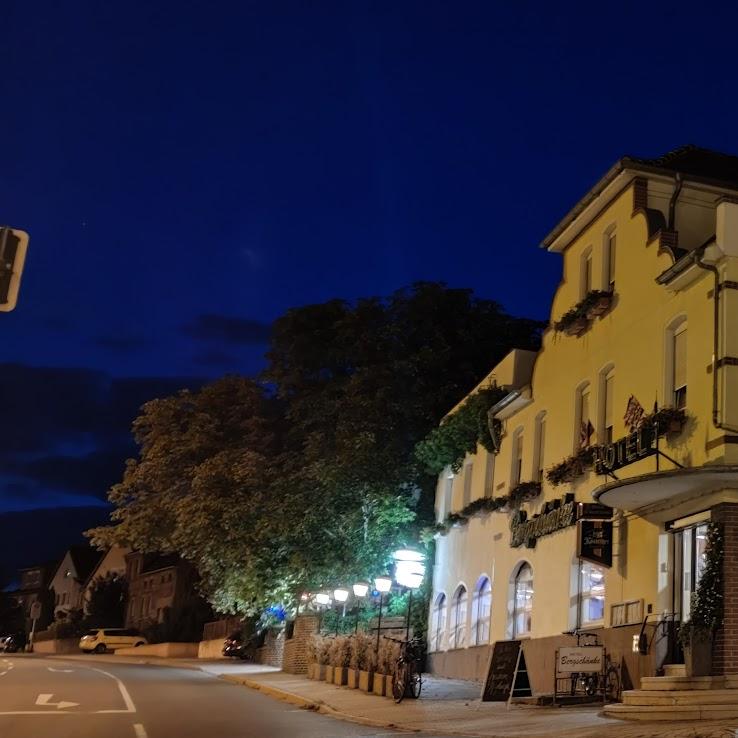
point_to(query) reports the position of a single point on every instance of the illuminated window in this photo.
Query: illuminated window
(481, 609)
(438, 623)
(592, 594)
(458, 618)
(523, 601)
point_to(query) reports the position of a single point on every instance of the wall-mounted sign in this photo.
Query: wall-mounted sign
(631, 448)
(580, 659)
(593, 511)
(556, 514)
(594, 541)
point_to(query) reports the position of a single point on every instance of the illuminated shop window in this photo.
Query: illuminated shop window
(458, 618)
(481, 610)
(592, 594)
(523, 601)
(438, 623)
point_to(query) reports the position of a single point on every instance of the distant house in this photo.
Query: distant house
(34, 587)
(71, 575)
(157, 584)
(112, 563)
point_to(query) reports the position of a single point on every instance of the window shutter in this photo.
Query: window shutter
(609, 385)
(611, 261)
(680, 359)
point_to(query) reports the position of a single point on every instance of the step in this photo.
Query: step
(682, 683)
(649, 697)
(675, 670)
(672, 712)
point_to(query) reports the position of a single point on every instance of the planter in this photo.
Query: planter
(319, 672)
(353, 678)
(340, 675)
(675, 426)
(380, 684)
(366, 681)
(576, 327)
(599, 308)
(329, 674)
(311, 668)
(698, 657)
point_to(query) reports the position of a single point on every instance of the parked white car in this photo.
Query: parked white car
(101, 640)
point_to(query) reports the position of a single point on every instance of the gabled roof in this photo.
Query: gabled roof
(84, 559)
(693, 163)
(154, 562)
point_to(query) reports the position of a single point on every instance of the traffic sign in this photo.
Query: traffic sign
(13, 247)
(35, 610)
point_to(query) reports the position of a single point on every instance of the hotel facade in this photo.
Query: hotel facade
(645, 319)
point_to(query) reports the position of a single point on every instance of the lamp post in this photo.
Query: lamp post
(340, 595)
(361, 590)
(409, 572)
(383, 584)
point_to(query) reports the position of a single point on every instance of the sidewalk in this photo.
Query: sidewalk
(448, 707)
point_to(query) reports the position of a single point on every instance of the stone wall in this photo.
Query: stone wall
(57, 645)
(295, 649)
(162, 650)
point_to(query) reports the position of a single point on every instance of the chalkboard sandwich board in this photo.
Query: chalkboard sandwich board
(507, 675)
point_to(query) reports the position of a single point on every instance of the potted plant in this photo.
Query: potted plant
(596, 303)
(340, 658)
(706, 614)
(389, 652)
(524, 492)
(311, 656)
(368, 666)
(359, 659)
(573, 322)
(668, 419)
(323, 655)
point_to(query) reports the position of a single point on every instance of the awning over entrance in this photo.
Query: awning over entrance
(645, 490)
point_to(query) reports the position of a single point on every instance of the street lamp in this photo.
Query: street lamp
(322, 599)
(383, 584)
(340, 595)
(409, 572)
(361, 589)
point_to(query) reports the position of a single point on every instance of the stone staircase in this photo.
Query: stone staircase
(675, 696)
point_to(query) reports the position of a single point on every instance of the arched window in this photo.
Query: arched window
(438, 623)
(481, 608)
(523, 600)
(458, 618)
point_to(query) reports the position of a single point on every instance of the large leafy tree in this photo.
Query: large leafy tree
(310, 478)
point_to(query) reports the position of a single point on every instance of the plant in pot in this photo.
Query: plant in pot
(311, 656)
(367, 663)
(340, 657)
(359, 664)
(324, 657)
(706, 613)
(668, 419)
(596, 303)
(573, 322)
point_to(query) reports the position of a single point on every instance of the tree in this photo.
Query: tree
(310, 479)
(107, 604)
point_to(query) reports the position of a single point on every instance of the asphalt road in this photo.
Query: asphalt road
(53, 698)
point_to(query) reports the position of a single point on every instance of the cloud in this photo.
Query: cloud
(229, 330)
(215, 358)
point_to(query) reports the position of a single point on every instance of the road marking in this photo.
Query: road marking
(130, 707)
(139, 730)
(44, 700)
(60, 671)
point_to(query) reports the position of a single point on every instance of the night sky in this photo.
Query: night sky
(188, 171)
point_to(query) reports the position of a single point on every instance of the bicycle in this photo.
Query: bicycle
(606, 682)
(407, 679)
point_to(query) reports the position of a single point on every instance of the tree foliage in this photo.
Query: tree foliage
(310, 479)
(107, 603)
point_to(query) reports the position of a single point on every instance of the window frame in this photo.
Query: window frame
(527, 610)
(585, 595)
(481, 612)
(438, 622)
(459, 615)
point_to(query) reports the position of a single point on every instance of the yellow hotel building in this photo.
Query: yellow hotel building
(646, 312)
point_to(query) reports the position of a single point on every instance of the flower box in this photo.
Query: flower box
(353, 678)
(311, 670)
(340, 675)
(576, 327)
(366, 681)
(380, 684)
(329, 674)
(319, 672)
(599, 306)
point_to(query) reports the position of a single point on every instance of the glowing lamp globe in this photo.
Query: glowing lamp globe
(340, 595)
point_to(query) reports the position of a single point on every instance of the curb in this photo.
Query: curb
(325, 709)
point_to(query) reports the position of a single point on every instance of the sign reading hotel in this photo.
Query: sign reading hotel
(580, 659)
(631, 448)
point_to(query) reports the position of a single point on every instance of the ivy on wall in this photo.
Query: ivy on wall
(459, 433)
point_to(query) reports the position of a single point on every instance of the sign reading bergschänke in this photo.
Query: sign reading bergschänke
(580, 659)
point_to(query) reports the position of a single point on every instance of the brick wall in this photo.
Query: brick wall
(295, 650)
(271, 652)
(725, 649)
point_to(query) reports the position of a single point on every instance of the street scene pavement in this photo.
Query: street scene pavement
(96, 698)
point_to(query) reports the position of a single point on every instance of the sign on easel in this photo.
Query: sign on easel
(507, 674)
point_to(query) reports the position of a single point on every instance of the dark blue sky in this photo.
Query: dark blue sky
(188, 171)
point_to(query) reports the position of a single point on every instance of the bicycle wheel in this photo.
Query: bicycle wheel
(399, 682)
(612, 684)
(590, 685)
(416, 684)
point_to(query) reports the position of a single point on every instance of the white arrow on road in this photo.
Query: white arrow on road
(43, 700)
(60, 671)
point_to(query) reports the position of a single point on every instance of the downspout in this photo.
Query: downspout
(673, 201)
(715, 338)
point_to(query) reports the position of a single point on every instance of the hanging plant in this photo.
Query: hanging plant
(524, 492)
(667, 420)
(459, 433)
(572, 467)
(576, 320)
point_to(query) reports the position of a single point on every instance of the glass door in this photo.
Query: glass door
(690, 550)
